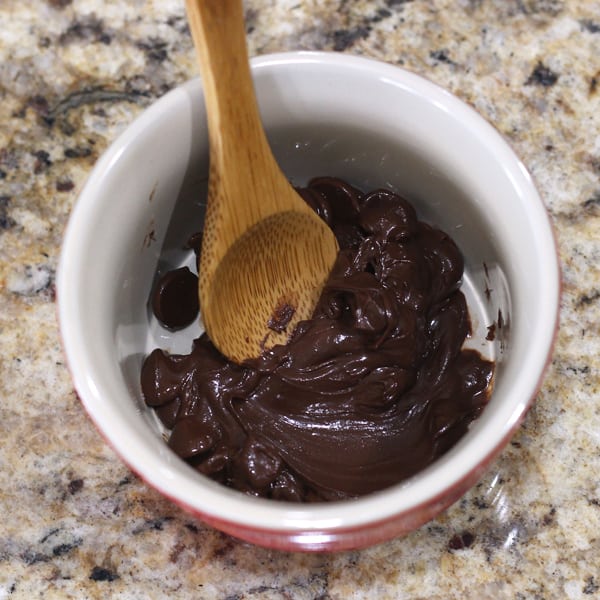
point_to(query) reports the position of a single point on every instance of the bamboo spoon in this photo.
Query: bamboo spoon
(265, 254)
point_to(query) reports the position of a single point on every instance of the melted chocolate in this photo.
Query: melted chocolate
(368, 392)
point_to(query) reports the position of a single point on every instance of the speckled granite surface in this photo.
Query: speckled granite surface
(75, 522)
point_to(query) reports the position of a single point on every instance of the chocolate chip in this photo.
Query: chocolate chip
(175, 301)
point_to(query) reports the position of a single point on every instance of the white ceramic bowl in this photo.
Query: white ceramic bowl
(325, 114)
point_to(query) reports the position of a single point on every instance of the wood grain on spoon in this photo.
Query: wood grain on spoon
(265, 254)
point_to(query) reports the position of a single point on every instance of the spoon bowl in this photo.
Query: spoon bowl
(265, 254)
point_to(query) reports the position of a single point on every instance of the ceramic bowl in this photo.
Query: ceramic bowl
(374, 125)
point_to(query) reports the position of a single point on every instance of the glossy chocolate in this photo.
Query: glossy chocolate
(368, 392)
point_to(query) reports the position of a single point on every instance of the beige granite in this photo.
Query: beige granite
(75, 522)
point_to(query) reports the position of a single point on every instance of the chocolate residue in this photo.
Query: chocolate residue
(488, 292)
(368, 392)
(281, 317)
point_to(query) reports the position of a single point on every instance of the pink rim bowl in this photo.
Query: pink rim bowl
(326, 114)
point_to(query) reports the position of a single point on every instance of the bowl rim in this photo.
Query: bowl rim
(212, 500)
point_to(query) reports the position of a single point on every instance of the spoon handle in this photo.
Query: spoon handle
(242, 164)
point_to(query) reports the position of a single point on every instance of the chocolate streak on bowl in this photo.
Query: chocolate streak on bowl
(368, 392)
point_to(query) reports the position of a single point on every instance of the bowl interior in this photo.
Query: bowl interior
(371, 124)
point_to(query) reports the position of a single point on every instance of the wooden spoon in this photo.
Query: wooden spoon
(265, 254)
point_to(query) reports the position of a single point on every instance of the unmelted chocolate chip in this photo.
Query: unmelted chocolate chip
(175, 300)
(370, 390)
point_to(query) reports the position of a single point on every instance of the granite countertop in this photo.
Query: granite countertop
(76, 522)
